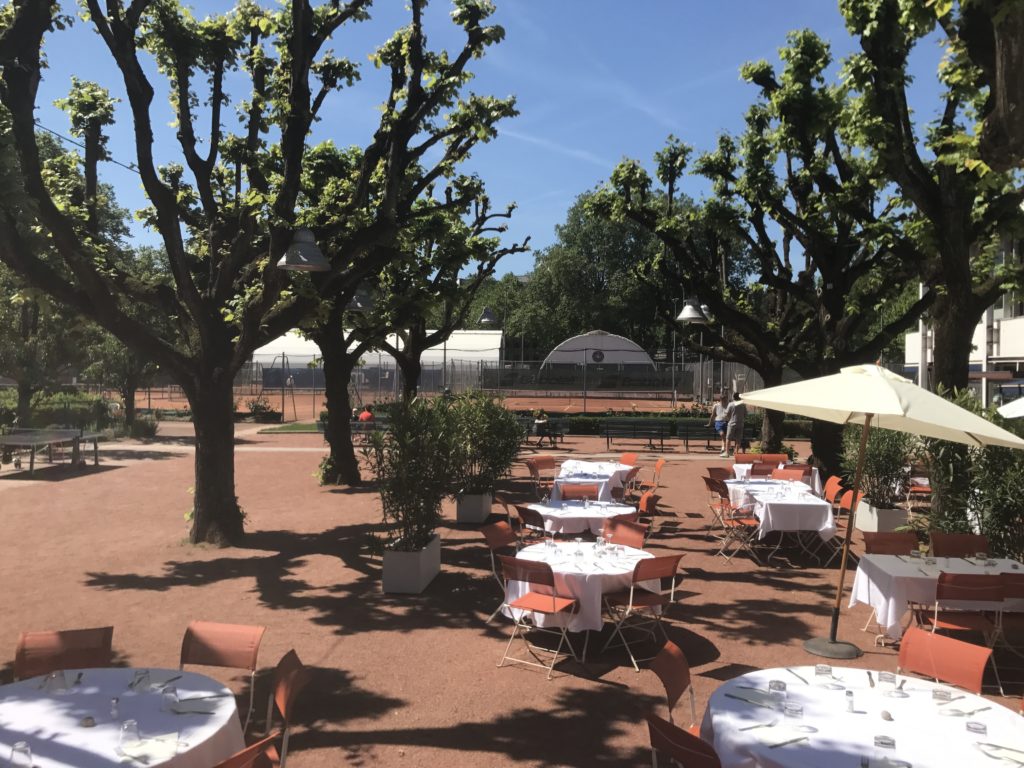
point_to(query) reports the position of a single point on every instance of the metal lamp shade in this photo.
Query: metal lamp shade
(487, 317)
(691, 314)
(304, 255)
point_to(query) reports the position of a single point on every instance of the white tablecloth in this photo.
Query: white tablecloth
(742, 472)
(784, 506)
(572, 517)
(924, 736)
(606, 475)
(586, 578)
(50, 721)
(888, 582)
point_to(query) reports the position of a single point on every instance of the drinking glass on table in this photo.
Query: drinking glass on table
(21, 755)
(777, 690)
(169, 699)
(130, 736)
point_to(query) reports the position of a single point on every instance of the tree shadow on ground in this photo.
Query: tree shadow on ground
(586, 722)
(56, 473)
(126, 454)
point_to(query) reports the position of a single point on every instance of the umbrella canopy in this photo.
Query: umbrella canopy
(1013, 409)
(893, 402)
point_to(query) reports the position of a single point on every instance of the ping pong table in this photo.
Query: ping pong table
(37, 439)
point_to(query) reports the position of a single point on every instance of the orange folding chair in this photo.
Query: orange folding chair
(719, 473)
(746, 458)
(889, 543)
(655, 482)
(577, 491)
(541, 475)
(639, 606)
(672, 668)
(959, 588)
(260, 754)
(772, 458)
(628, 485)
(738, 524)
(621, 530)
(833, 488)
(788, 473)
(762, 469)
(499, 536)
(957, 544)
(629, 458)
(291, 676)
(532, 604)
(212, 644)
(509, 509)
(1011, 622)
(678, 746)
(846, 504)
(944, 659)
(39, 653)
(532, 522)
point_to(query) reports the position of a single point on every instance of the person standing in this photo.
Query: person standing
(737, 417)
(367, 414)
(720, 419)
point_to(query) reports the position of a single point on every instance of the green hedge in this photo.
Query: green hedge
(580, 424)
(65, 408)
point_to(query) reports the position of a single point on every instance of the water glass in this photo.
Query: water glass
(169, 699)
(915, 553)
(586, 502)
(941, 694)
(793, 710)
(21, 755)
(141, 681)
(823, 672)
(777, 690)
(887, 677)
(579, 545)
(130, 736)
(55, 682)
(980, 729)
(981, 557)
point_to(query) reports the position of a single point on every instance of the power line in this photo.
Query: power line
(129, 167)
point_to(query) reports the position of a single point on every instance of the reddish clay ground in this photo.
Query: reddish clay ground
(399, 680)
(305, 405)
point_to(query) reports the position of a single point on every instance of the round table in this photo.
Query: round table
(570, 517)
(927, 734)
(49, 717)
(586, 577)
(606, 475)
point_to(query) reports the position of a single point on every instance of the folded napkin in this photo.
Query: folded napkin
(155, 749)
(197, 707)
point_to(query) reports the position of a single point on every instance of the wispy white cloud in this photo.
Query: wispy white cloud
(561, 149)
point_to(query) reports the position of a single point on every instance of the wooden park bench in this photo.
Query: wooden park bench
(648, 430)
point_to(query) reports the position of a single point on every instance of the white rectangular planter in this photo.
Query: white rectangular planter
(473, 507)
(877, 519)
(411, 572)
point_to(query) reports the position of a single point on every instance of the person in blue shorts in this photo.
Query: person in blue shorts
(720, 420)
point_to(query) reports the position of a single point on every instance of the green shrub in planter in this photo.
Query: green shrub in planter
(145, 427)
(886, 463)
(412, 462)
(487, 438)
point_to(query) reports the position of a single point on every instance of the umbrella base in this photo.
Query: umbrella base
(832, 649)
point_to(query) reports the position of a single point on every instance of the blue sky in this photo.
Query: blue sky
(596, 81)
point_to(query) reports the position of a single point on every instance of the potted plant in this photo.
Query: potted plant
(412, 462)
(886, 474)
(487, 438)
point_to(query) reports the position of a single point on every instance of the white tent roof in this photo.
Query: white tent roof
(463, 346)
(599, 347)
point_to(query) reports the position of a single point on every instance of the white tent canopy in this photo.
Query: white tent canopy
(598, 348)
(463, 346)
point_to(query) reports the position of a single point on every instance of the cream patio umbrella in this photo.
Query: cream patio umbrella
(871, 395)
(1013, 409)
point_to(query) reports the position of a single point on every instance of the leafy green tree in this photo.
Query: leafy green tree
(958, 206)
(228, 210)
(796, 251)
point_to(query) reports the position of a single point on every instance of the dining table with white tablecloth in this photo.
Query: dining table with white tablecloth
(880, 724)
(606, 475)
(583, 571)
(569, 517)
(67, 719)
(889, 582)
(783, 505)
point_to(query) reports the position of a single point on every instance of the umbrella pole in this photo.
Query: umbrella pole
(829, 647)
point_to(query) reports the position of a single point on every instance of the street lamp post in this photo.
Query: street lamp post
(691, 314)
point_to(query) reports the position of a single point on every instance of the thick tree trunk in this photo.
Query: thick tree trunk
(217, 518)
(953, 322)
(827, 446)
(411, 369)
(342, 466)
(771, 421)
(25, 392)
(128, 395)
